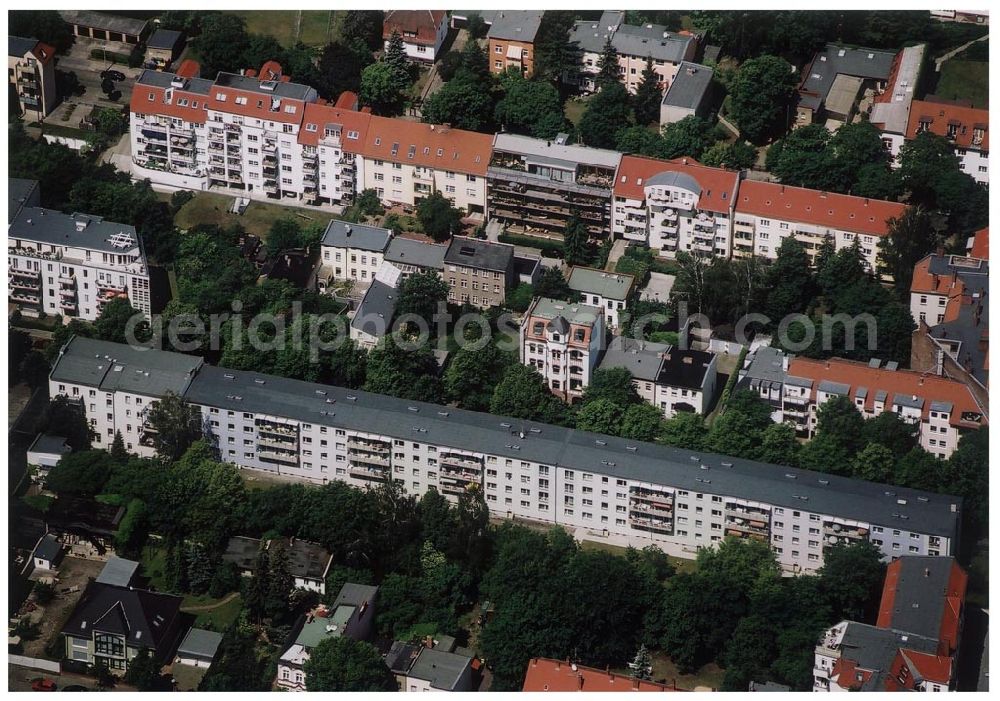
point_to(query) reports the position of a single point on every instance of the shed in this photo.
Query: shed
(199, 648)
(46, 451)
(47, 553)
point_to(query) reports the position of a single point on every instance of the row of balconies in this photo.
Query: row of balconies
(651, 523)
(364, 458)
(367, 473)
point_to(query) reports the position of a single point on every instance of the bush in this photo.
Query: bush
(179, 199)
(550, 247)
(44, 592)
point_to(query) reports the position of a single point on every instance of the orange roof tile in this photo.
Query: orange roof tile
(317, 116)
(980, 244)
(347, 100)
(193, 112)
(189, 68)
(934, 668)
(557, 675)
(929, 283)
(845, 212)
(44, 52)
(423, 23)
(939, 115)
(845, 672)
(428, 145)
(717, 184)
(904, 382)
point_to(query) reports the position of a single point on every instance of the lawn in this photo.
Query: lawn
(153, 565)
(965, 80)
(212, 208)
(681, 564)
(574, 109)
(665, 670)
(217, 618)
(311, 27)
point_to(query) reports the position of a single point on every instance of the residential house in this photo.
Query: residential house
(370, 438)
(966, 128)
(478, 271)
(766, 213)
(511, 39)
(308, 563)
(599, 288)
(563, 342)
(46, 451)
(354, 251)
(406, 161)
(442, 668)
(833, 83)
(423, 32)
(408, 256)
(545, 674)
(104, 26)
(31, 70)
(110, 625)
(913, 645)
(47, 554)
(978, 245)
(691, 94)
(634, 44)
(669, 378)
(164, 47)
(674, 206)
(374, 316)
(937, 279)
(537, 185)
(890, 109)
(352, 615)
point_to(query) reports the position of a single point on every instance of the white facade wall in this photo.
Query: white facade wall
(767, 233)
(402, 183)
(349, 263)
(109, 412)
(672, 222)
(928, 306)
(975, 163)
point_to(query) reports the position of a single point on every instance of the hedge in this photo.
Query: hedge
(550, 247)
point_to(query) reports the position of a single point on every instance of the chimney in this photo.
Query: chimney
(927, 571)
(579, 681)
(347, 229)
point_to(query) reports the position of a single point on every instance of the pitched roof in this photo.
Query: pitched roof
(427, 145)
(641, 358)
(980, 247)
(950, 275)
(20, 46)
(599, 282)
(48, 547)
(514, 25)
(352, 594)
(478, 253)
(409, 251)
(891, 109)
(46, 443)
(200, 643)
(118, 571)
(316, 118)
(924, 595)
(164, 39)
(423, 23)
(844, 212)
(898, 385)
(685, 368)
(561, 675)
(716, 187)
(377, 308)
(940, 117)
(149, 95)
(689, 87)
(342, 234)
(833, 61)
(144, 617)
(651, 40)
(103, 20)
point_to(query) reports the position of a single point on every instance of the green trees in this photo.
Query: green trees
(607, 113)
(803, 159)
(410, 374)
(740, 428)
(177, 426)
(473, 374)
(83, 473)
(340, 66)
(384, 87)
(439, 219)
(760, 97)
(523, 394)
(738, 155)
(789, 281)
(113, 322)
(363, 25)
(345, 664)
(911, 237)
(531, 107)
(144, 672)
(44, 25)
(852, 577)
(421, 294)
(555, 55)
(690, 136)
(576, 241)
(607, 65)
(65, 418)
(648, 96)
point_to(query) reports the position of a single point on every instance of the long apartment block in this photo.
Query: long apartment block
(599, 487)
(70, 264)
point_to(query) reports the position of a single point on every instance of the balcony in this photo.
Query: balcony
(368, 459)
(270, 441)
(650, 523)
(277, 429)
(838, 531)
(109, 287)
(273, 455)
(270, 186)
(24, 297)
(375, 474)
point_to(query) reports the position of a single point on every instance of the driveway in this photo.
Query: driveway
(88, 72)
(658, 288)
(73, 572)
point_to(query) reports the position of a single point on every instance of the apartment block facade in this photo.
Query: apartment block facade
(511, 39)
(967, 128)
(70, 264)
(563, 342)
(354, 251)
(599, 487)
(674, 206)
(479, 272)
(31, 69)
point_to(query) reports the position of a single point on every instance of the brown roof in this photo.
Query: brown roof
(423, 23)
(316, 117)
(981, 244)
(845, 212)
(718, 185)
(189, 68)
(904, 382)
(558, 675)
(193, 112)
(939, 115)
(929, 283)
(428, 145)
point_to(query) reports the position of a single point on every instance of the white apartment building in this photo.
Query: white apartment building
(563, 342)
(607, 291)
(767, 213)
(634, 45)
(406, 161)
(669, 378)
(354, 251)
(941, 408)
(890, 109)
(117, 385)
(71, 264)
(939, 280)
(31, 70)
(967, 128)
(249, 134)
(598, 487)
(674, 206)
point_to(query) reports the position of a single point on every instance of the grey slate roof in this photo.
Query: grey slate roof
(48, 547)
(965, 330)
(651, 40)
(767, 364)
(599, 282)
(836, 60)
(400, 657)
(418, 253)
(200, 643)
(641, 358)
(352, 594)
(164, 39)
(160, 79)
(875, 648)
(117, 366)
(919, 603)
(19, 46)
(552, 445)
(517, 25)
(342, 234)
(21, 193)
(293, 91)
(689, 87)
(477, 253)
(118, 571)
(143, 617)
(442, 669)
(45, 443)
(374, 314)
(102, 20)
(305, 559)
(242, 552)
(590, 35)
(53, 227)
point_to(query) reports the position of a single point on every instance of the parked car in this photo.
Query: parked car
(116, 76)
(42, 684)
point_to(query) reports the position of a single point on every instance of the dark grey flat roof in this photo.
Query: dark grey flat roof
(159, 79)
(651, 40)
(19, 46)
(477, 253)
(641, 358)
(116, 366)
(442, 669)
(164, 39)
(921, 590)
(77, 230)
(836, 60)
(102, 20)
(689, 87)
(418, 253)
(21, 192)
(344, 234)
(200, 643)
(875, 648)
(293, 91)
(553, 445)
(305, 559)
(118, 571)
(45, 443)
(685, 368)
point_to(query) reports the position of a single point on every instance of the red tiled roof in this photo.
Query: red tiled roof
(927, 282)
(558, 675)
(316, 117)
(433, 146)
(980, 244)
(193, 112)
(44, 52)
(717, 184)
(904, 382)
(423, 23)
(934, 668)
(347, 100)
(845, 672)
(860, 215)
(943, 114)
(189, 68)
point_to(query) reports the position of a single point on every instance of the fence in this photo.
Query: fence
(35, 663)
